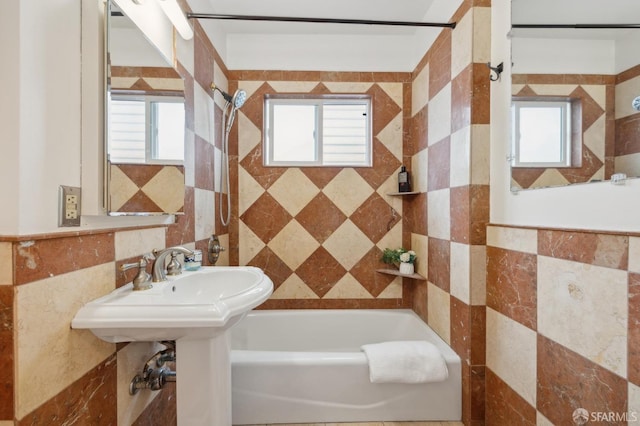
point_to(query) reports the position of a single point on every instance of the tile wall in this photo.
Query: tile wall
(597, 100)
(562, 326)
(319, 232)
(448, 126)
(52, 374)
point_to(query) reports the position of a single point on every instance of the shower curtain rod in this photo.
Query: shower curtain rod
(578, 26)
(318, 20)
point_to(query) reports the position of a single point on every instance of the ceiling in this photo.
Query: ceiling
(315, 46)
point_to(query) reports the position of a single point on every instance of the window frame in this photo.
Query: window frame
(566, 106)
(270, 100)
(151, 129)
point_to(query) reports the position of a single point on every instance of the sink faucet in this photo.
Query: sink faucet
(159, 272)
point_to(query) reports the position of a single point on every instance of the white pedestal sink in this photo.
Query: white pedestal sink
(196, 309)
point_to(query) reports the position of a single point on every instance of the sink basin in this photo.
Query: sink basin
(196, 304)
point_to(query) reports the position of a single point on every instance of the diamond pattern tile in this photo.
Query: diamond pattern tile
(293, 244)
(365, 272)
(321, 271)
(296, 222)
(265, 176)
(321, 218)
(375, 217)
(293, 190)
(385, 164)
(272, 265)
(348, 190)
(348, 244)
(266, 217)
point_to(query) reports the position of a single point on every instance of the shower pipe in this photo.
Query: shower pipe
(234, 102)
(318, 20)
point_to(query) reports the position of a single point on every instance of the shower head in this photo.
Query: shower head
(238, 98)
(636, 103)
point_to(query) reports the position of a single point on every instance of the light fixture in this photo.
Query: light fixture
(172, 9)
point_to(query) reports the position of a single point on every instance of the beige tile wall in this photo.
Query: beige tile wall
(562, 325)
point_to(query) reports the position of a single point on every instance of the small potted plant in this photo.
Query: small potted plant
(400, 257)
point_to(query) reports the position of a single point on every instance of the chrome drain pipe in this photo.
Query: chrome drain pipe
(155, 374)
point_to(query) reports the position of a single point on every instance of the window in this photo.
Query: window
(542, 133)
(146, 129)
(318, 131)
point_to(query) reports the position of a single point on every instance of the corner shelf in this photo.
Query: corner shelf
(395, 194)
(397, 273)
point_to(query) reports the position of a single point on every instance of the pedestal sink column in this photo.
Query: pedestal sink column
(203, 379)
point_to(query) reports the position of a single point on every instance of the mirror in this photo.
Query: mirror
(145, 124)
(584, 53)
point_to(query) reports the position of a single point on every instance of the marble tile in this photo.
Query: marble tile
(562, 375)
(348, 287)
(438, 169)
(420, 91)
(320, 271)
(88, 400)
(414, 211)
(439, 263)
(391, 137)
(461, 156)
(205, 208)
(517, 239)
(266, 217)
(204, 110)
(634, 329)
(440, 63)
(189, 158)
(439, 215)
(293, 244)
(364, 272)
(6, 352)
(634, 403)
(251, 190)
(439, 312)
(511, 285)
(293, 288)
(6, 264)
(610, 251)
(293, 200)
(584, 308)
(249, 244)
(460, 214)
(375, 218)
(35, 260)
(478, 275)
(439, 116)
(480, 141)
(420, 244)
(161, 411)
(204, 168)
(348, 244)
(386, 164)
(462, 44)
(460, 272)
(348, 190)
(460, 333)
(272, 265)
(511, 354)
(56, 351)
(504, 407)
(462, 99)
(321, 218)
(140, 241)
(481, 35)
(420, 171)
(634, 254)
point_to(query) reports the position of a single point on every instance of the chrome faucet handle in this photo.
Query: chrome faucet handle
(142, 281)
(214, 249)
(158, 269)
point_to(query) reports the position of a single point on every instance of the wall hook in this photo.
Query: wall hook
(498, 70)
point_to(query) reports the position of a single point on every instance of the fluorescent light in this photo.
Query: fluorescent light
(173, 11)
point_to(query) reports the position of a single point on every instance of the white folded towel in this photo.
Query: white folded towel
(405, 362)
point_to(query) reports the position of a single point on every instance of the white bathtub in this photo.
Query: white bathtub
(306, 366)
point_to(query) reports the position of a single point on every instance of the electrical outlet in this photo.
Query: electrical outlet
(69, 206)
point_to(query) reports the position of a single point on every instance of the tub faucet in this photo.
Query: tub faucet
(159, 272)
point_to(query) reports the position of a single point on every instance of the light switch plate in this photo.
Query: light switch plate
(69, 206)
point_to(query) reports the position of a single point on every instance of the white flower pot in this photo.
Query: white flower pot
(406, 268)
